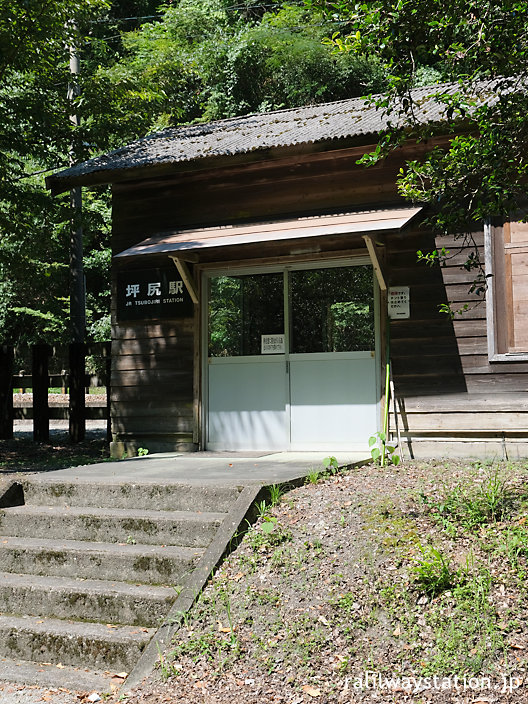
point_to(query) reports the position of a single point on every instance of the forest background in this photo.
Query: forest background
(146, 66)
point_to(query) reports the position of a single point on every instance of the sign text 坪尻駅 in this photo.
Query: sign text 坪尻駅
(152, 293)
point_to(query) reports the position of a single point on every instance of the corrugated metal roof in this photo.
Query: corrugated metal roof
(343, 119)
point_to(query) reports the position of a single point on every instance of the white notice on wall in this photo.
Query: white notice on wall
(398, 302)
(272, 344)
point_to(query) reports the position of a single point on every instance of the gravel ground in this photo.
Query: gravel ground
(327, 592)
(20, 694)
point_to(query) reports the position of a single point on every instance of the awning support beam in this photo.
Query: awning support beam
(187, 278)
(375, 261)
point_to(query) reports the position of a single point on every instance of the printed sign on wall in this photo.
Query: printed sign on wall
(152, 293)
(272, 344)
(398, 302)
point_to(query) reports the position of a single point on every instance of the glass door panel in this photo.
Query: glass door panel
(332, 310)
(241, 310)
(333, 401)
(247, 390)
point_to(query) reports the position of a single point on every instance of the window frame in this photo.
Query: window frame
(496, 301)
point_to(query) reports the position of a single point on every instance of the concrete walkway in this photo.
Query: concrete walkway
(207, 468)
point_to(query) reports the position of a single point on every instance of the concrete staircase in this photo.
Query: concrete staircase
(90, 570)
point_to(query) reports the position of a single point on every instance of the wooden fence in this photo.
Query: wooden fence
(74, 380)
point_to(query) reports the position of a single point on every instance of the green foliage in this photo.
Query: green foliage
(206, 60)
(476, 504)
(331, 464)
(268, 534)
(276, 492)
(433, 573)
(313, 476)
(37, 135)
(380, 449)
(191, 60)
(481, 172)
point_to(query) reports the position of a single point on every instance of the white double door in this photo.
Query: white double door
(291, 359)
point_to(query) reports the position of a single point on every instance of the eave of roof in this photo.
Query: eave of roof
(194, 240)
(246, 137)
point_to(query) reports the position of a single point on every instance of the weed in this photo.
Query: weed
(130, 540)
(262, 509)
(142, 451)
(269, 525)
(331, 464)
(233, 639)
(433, 573)
(270, 533)
(279, 558)
(513, 542)
(346, 602)
(381, 452)
(470, 636)
(167, 669)
(276, 492)
(313, 476)
(475, 505)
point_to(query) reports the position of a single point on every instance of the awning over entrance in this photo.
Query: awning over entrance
(364, 222)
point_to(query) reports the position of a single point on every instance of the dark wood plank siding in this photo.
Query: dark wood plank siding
(450, 397)
(152, 385)
(293, 186)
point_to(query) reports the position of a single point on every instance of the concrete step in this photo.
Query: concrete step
(166, 496)
(148, 564)
(66, 598)
(47, 675)
(183, 528)
(97, 646)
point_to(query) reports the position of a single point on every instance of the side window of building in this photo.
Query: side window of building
(507, 308)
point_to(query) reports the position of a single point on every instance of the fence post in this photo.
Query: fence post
(77, 352)
(6, 392)
(40, 384)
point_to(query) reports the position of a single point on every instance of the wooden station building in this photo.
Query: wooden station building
(258, 274)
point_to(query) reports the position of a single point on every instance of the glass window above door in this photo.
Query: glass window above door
(241, 310)
(332, 310)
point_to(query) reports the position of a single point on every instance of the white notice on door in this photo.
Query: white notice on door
(272, 344)
(398, 302)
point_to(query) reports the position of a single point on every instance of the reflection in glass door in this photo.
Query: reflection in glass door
(291, 360)
(332, 364)
(247, 400)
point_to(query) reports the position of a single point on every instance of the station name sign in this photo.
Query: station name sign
(150, 294)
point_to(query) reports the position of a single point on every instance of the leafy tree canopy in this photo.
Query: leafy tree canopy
(213, 59)
(482, 171)
(142, 67)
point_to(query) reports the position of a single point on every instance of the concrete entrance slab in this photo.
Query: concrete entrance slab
(206, 468)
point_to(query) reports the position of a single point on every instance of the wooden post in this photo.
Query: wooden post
(6, 392)
(40, 384)
(77, 351)
(107, 350)
(64, 381)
